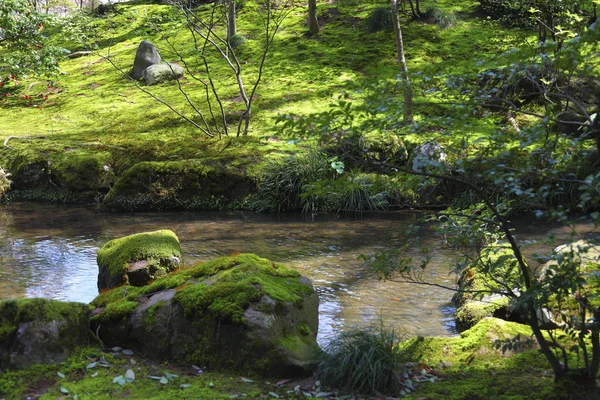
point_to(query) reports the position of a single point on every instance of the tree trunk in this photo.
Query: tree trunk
(313, 23)
(231, 20)
(408, 94)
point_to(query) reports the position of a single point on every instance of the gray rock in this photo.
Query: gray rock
(146, 55)
(162, 72)
(429, 154)
(239, 313)
(40, 331)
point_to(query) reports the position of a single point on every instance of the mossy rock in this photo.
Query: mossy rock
(188, 184)
(34, 331)
(137, 259)
(243, 313)
(83, 172)
(495, 260)
(66, 176)
(480, 345)
(4, 182)
(30, 170)
(577, 258)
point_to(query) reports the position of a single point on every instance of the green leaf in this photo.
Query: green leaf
(92, 365)
(164, 380)
(247, 380)
(64, 390)
(185, 385)
(61, 375)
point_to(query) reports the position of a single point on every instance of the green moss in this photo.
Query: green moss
(223, 287)
(117, 310)
(116, 254)
(189, 184)
(13, 312)
(472, 312)
(234, 282)
(476, 346)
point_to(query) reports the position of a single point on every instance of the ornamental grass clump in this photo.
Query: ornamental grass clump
(380, 19)
(365, 360)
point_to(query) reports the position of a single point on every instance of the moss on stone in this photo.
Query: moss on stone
(187, 184)
(223, 287)
(474, 311)
(474, 346)
(50, 329)
(114, 257)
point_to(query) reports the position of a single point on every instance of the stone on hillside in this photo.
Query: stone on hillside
(188, 184)
(4, 182)
(36, 331)
(137, 259)
(146, 55)
(162, 72)
(427, 155)
(242, 313)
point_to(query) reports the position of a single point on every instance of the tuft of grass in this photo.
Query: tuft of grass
(365, 360)
(380, 19)
(285, 180)
(237, 41)
(442, 18)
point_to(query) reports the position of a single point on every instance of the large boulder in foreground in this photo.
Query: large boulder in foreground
(162, 72)
(243, 313)
(137, 259)
(187, 185)
(36, 331)
(145, 56)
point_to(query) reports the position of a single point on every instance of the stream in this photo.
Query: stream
(50, 251)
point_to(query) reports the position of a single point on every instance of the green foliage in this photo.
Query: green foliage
(237, 40)
(380, 19)
(285, 179)
(26, 47)
(365, 360)
(441, 18)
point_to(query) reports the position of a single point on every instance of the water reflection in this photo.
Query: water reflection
(50, 251)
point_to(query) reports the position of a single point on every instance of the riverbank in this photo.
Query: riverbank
(466, 367)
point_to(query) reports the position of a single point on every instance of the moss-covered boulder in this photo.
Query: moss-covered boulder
(478, 296)
(65, 176)
(34, 331)
(491, 342)
(137, 259)
(576, 263)
(188, 184)
(244, 313)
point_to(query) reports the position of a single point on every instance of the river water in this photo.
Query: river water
(50, 251)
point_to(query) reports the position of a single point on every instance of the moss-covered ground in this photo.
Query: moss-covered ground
(470, 366)
(92, 110)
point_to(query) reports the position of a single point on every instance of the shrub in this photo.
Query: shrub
(237, 41)
(285, 179)
(366, 361)
(441, 18)
(353, 192)
(380, 19)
